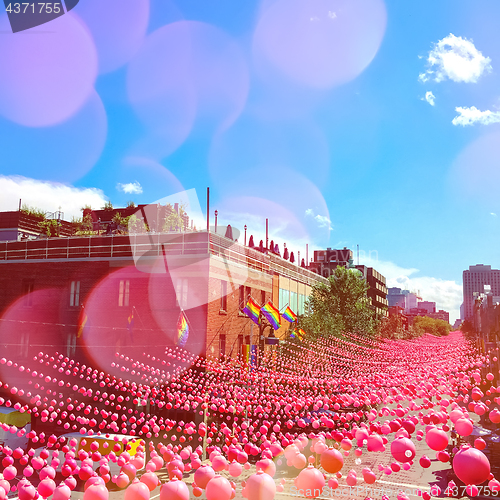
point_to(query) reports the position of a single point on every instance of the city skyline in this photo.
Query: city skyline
(389, 143)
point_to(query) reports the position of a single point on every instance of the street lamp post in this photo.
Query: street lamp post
(216, 213)
(245, 235)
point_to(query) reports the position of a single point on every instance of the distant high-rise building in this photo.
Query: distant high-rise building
(474, 281)
(410, 300)
(395, 297)
(430, 307)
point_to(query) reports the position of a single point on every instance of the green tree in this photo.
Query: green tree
(341, 305)
(49, 227)
(131, 224)
(130, 204)
(424, 324)
(108, 206)
(33, 211)
(87, 225)
(174, 221)
(467, 326)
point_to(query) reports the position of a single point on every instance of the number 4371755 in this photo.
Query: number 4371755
(34, 8)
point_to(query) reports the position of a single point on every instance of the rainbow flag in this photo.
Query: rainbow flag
(245, 355)
(298, 333)
(130, 323)
(272, 314)
(182, 330)
(289, 315)
(83, 322)
(252, 310)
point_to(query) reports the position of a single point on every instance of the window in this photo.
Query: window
(123, 293)
(74, 294)
(284, 298)
(242, 301)
(181, 293)
(222, 346)
(24, 342)
(240, 345)
(293, 301)
(28, 287)
(71, 346)
(223, 295)
(262, 297)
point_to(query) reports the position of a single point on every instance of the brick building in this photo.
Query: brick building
(147, 279)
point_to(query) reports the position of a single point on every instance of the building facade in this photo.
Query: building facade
(93, 297)
(430, 307)
(395, 297)
(475, 279)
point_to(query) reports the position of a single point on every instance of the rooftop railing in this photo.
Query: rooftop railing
(151, 244)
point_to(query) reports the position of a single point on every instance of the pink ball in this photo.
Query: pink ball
(374, 442)
(70, 482)
(235, 469)
(471, 466)
(310, 482)
(137, 491)
(266, 465)
(130, 470)
(436, 439)
(93, 480)
(351, 480)
(47, 471)
(495, 416)
(9, 472)
(26, 491)
(203, 475)
(332, 460)
(219, 463)
(403, 449)
(369, 477)
(122, 480)
(46, 487)
(464, 427)
(260, 486)
(480, 444)
(62, 492)
(150, 479)
(96, 492)
(218, 488)
(299, 461)
(174, 490)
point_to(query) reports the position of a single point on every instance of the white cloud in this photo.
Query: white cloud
(48, 196)
(472, 115)
(493, 213)
(457, 59)
(447, 294)
(130, 188)
(430, 98)
(321, 220)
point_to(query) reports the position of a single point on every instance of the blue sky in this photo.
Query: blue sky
(344, 122)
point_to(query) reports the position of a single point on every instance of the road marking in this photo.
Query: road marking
(412, 486)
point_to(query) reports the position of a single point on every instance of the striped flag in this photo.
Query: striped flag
(252, 310)
(272, 314)
(298, 333)
(130, 323)
(83, 322)
(182, 330)
(289, 315)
